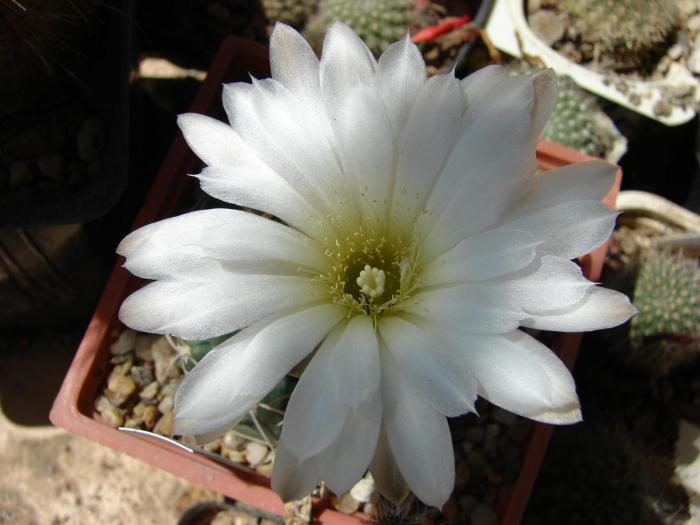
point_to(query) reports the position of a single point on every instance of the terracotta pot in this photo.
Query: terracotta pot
(73, 408)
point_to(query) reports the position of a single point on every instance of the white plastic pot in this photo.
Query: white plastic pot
(509, 31)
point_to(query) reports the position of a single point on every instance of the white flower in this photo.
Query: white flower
(416, 240)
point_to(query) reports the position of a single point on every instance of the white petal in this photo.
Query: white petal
(209, 309)
(570, 229)
(600, 308)
(343, 374)
(340, 465)
(497, 306)
(346, 63)
(235, 375)
(555, 284)
(293, 62)
(582, 181)
(275, 125)
(400, 75)
(467, 308)
(422, 357)
(366, 149)
(213, 141)
(536, 92)
(189, 246)
(419, 437)
(426, 141)
(494, 158)
(386, 473)
(483, 256)
(262, 189)
(520, 374)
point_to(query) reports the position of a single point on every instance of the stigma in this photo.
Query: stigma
(371, 281)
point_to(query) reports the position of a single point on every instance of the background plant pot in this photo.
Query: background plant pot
(73, 408)
(510, 32)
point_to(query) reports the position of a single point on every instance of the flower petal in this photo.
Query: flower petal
(340, 465)
(400, 76)
(497, 306)
(260, 188)
(213, 141)
(235, 375)
(520, 374)
(570, 229)
(600, 308)
(483, 256)
(576, 182)
(366, 150)
(343, 373)
(293, 62)
(201, 243)
(275, 125)
(501, 109)
(346, 62)
(418, 435)
(426, 141)
(386, 473)
(435, 375)
(209, 309)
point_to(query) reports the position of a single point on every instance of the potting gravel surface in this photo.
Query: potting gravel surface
(146, 370)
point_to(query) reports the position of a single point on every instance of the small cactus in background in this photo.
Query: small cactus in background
(292, 12)
(634, 31)
(667, 294)
(574, 122)
(377, 22)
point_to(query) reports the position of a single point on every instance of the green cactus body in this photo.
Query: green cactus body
(573, 122)
(667, 295)
(634, 31)
(377, 22)
(292, 12)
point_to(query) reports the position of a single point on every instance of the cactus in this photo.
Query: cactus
(292, 12)
(635, 32)
(377, 22)
(667, 294)
(574, 123)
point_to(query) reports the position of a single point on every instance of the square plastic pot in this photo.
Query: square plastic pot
(73, 408)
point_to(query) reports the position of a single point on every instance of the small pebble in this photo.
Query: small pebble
(255, 453)
(547, 25)
(693, 24)
(363, 491)
(675, 52)
(116, 398)
(150, 392)
(483, 515)
(165, 360)
(150, 416)
(491, 432)
(142, 347)
(232, 440)
(467, 503)
(662, 108)
(166, 404)
(141, 375)
(164, 426)
(125, 343)
(475, 435)
(503, 417)
(346, 503)
(113, 417)
(123, 385)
